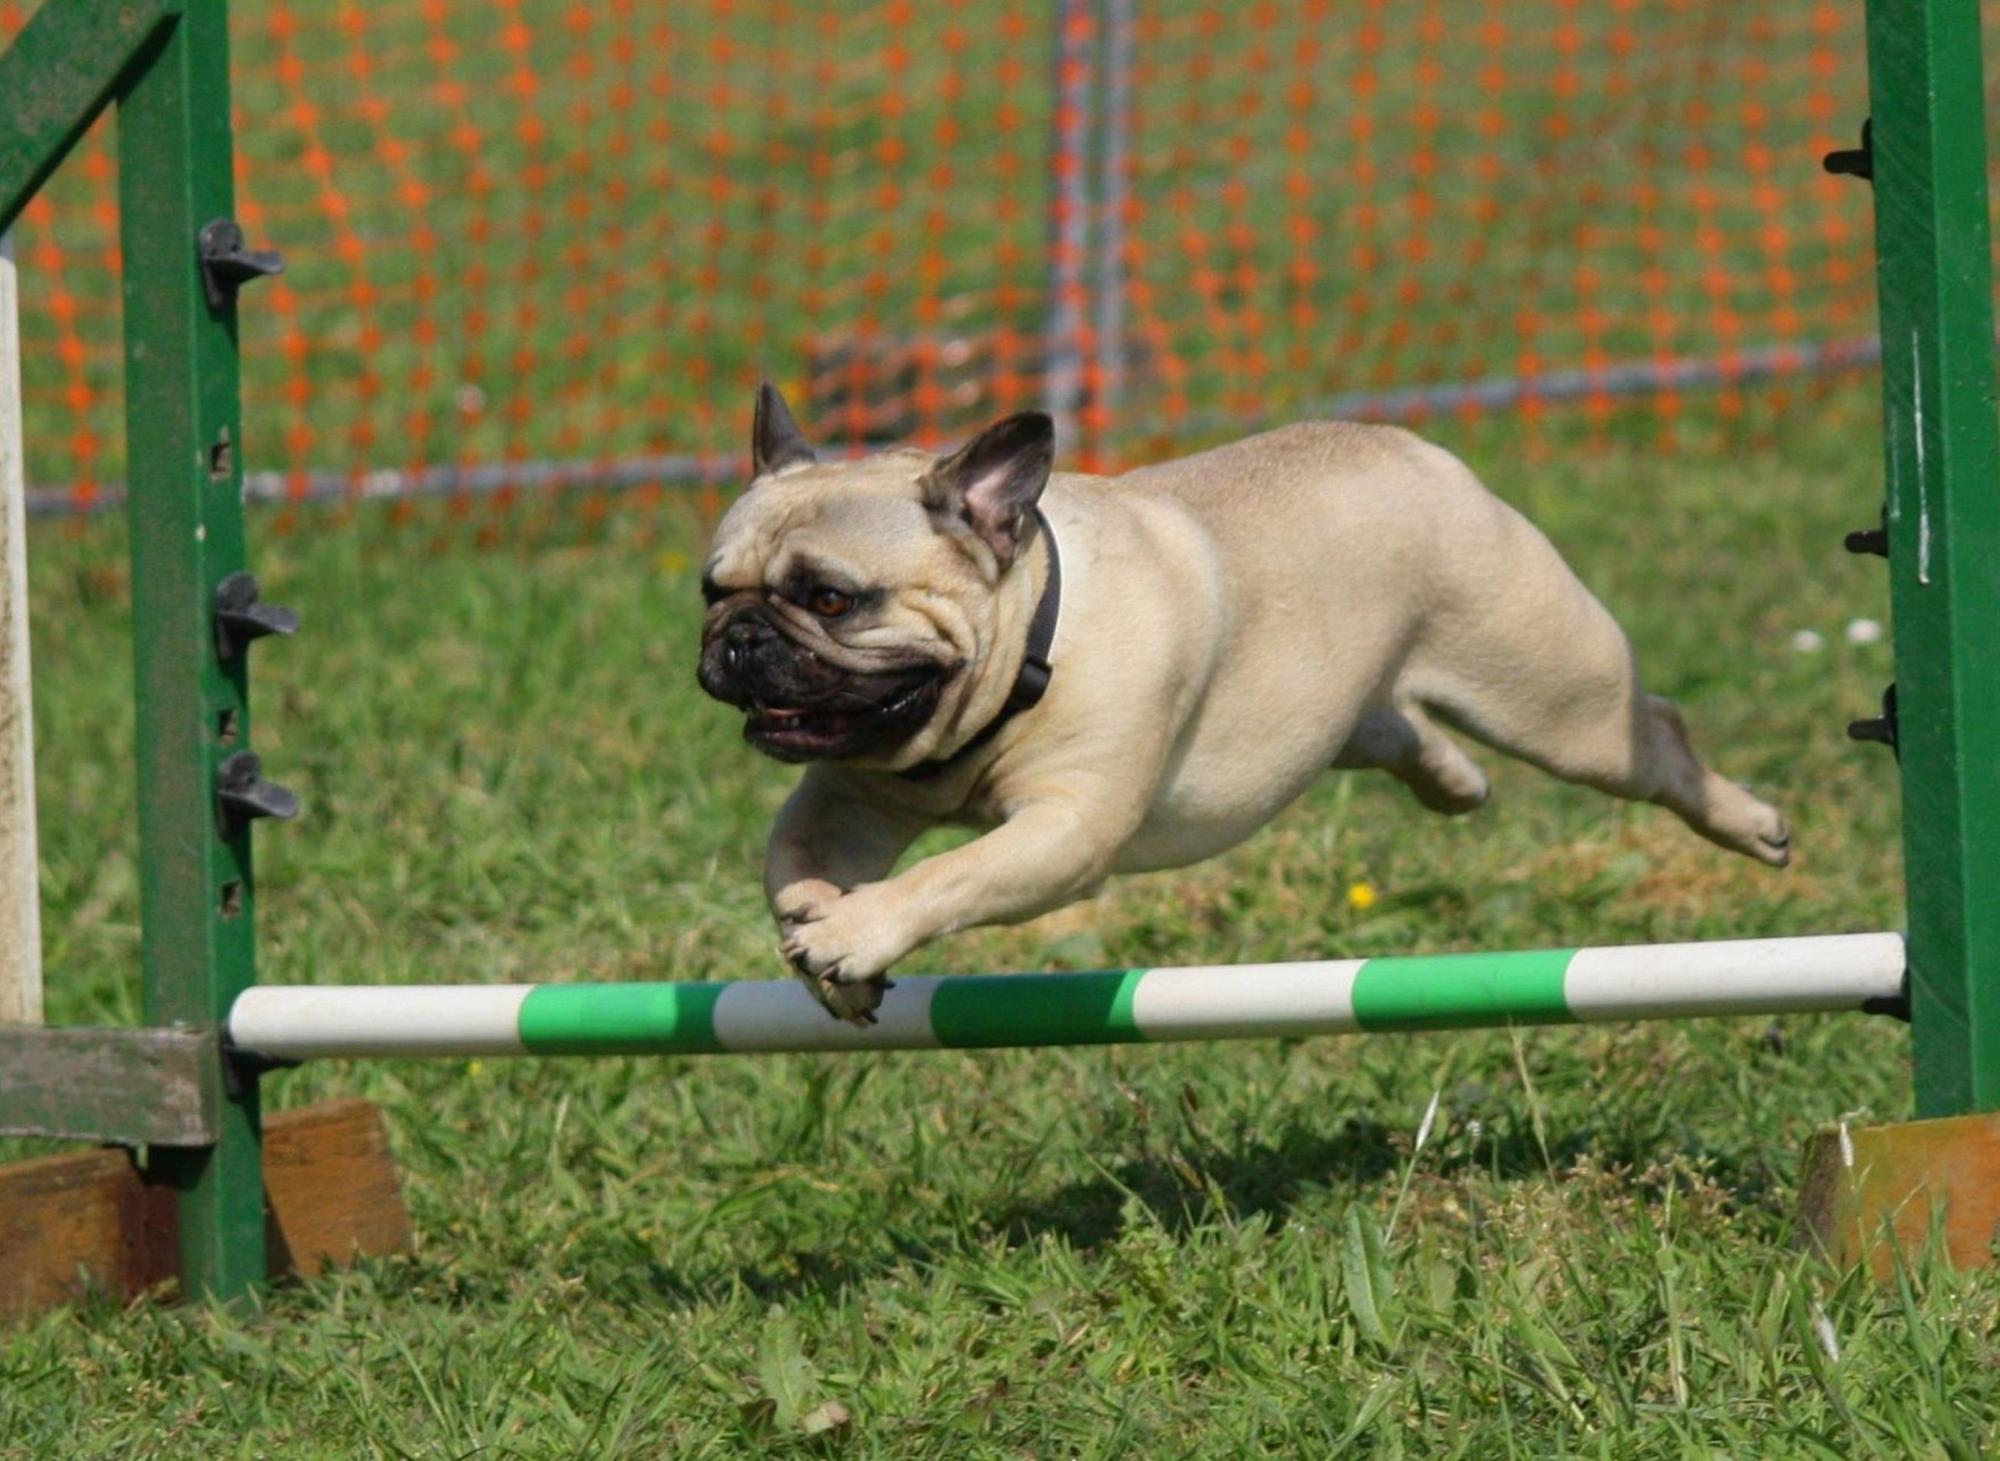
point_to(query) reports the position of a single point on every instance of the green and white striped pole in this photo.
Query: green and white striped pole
(1219, 1002)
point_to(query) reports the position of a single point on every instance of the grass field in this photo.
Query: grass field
(509, 774)
(1210, 1251)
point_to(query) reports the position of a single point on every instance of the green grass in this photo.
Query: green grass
(1218, 1250)
(1212, 1251)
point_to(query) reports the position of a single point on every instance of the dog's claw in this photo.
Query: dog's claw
(839, 997)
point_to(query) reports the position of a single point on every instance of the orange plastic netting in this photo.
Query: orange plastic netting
(534, 242)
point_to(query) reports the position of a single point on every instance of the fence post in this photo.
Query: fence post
(1934, 273)
(1069, 223)
(1113, 193)
(20, 890)
(184, 433)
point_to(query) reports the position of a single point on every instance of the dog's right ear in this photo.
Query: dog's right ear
(993, 482)
(775, 438)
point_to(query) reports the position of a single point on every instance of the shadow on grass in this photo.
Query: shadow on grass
(1180, 1190)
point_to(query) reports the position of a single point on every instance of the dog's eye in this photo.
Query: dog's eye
(829, 602)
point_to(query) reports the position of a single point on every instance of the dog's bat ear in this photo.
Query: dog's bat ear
(775, 438)
(993, 482)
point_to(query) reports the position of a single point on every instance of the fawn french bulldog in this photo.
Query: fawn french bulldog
(1119, 674)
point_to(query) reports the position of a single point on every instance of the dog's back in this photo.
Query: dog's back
(1364, 508)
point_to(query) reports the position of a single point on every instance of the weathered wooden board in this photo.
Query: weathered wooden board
(90, 1222)
(133, 1087)
(1881, 1190)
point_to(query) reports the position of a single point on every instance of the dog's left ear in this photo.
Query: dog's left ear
(775, 438)
(993, 482)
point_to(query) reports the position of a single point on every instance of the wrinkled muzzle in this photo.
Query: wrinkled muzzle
(803, 707)
(746, 659)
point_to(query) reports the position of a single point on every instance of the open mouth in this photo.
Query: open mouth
(849, 724)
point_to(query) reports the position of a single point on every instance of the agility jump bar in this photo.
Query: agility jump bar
(1862, 971)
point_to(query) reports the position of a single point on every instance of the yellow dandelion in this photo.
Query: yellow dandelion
(475, 1068)
(1361, 896)
(673, 561)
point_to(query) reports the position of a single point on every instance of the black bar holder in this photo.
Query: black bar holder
(1881, 728)
(227, 263)
(242, 795)
(1869, 540)
(240, 616)
(1855, 162)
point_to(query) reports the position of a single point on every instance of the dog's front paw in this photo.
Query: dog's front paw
(843, 954)
(803, 902)
(854, 1003)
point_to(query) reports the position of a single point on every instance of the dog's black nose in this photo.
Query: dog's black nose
(735, 653)
(729, 659)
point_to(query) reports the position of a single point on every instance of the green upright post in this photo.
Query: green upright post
(184, 471)
(1935, 276)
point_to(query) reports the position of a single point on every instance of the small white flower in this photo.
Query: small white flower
(471, 399)
(1864, 631)
(1808, 641)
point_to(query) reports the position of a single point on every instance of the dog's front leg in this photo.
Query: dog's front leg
(824, 843)
(1047, 853)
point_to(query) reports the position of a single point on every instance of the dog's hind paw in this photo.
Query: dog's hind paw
(1774, 843)
(1733, 817)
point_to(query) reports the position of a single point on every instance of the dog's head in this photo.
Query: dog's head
(853, 606)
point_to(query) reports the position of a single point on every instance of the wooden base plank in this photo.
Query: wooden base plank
(330, 1188)
(133, 1087)
(91, 1223)
(1869, 1193)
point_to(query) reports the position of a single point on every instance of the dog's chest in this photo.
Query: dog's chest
(1189, 823)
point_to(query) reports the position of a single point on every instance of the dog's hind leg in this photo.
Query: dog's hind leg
(1411, 747)
(1551, 679)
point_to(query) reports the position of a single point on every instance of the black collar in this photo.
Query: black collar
(1033, 680)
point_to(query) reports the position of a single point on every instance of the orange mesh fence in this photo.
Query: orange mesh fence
(544, 243)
